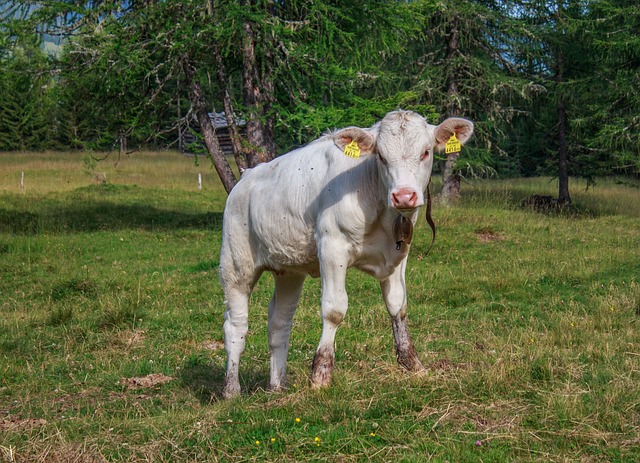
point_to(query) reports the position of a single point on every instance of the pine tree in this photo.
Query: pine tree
(25, 85)
(585, 54)
(608, 125)
(465, 69)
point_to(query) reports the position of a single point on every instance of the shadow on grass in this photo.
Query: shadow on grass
(103, 207)
(103, 215)
(205, 380)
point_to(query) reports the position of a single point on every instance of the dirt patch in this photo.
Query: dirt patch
(82, 398)
(489, 236)
(144, 382)
(212, 345)
(128, 339)
(133, 338)
(13, 424)
(493, 419)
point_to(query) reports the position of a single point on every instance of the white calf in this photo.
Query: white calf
(316, 211)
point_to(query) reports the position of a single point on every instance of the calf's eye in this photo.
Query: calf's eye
(383, 160)
(425, 155)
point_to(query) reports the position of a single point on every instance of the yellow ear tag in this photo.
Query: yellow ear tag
(453, 145)
(352, 150)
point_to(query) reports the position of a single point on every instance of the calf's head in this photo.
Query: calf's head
(404, 144)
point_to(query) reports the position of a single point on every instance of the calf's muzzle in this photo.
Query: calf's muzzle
(404, 198)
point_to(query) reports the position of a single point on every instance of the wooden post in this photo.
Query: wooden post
(179, 123)
(21, 181)
(199, 181)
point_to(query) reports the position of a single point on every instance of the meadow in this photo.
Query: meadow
(111, 328)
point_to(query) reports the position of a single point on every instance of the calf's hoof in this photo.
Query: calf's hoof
(230, 389)
(410, 363)
(319, 381)
(279, 387)
(322, 368)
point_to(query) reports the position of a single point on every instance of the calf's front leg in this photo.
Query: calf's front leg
(333, 271)
(394, 294)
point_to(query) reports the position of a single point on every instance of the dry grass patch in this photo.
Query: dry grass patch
(213, 345)
(488, 235)
(128, 339)
(44, 452)
(14, 424)
(145, 382)
(65, 171)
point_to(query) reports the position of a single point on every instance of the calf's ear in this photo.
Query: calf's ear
(365, 140)
(462, 128)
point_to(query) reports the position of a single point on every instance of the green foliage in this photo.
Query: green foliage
(28, 119)
(308, 122)
(461, 64)
(610, 124)
(89, 164)
(118, 80)
(123, 103)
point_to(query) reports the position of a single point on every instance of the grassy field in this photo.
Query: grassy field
(111, 316)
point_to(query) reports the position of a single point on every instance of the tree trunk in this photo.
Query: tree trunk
(563, 156)
(180, 147)
(255, 130)
(563, 151)
(451, 188)
(199, 107)
(268, 99)
(258, 136)
(451, 178)
(123, 144)
(236, 142)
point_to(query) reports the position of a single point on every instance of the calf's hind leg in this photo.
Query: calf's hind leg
(235, 331)
(281, 310)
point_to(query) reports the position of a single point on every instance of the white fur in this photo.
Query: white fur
(315, 211)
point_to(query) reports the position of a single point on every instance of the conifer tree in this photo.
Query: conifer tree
(464, 68)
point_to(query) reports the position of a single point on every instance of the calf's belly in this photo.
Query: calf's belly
(379, 270)
(292, 257)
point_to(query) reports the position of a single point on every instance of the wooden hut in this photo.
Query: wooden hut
(190, 142)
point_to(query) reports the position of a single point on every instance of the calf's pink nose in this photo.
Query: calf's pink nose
(404, 198)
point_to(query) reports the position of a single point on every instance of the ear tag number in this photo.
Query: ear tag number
(352, 150)
(453, 145)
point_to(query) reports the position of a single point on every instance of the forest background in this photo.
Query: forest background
(552, 85)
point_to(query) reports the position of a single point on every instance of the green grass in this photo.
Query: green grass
(528, 323)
